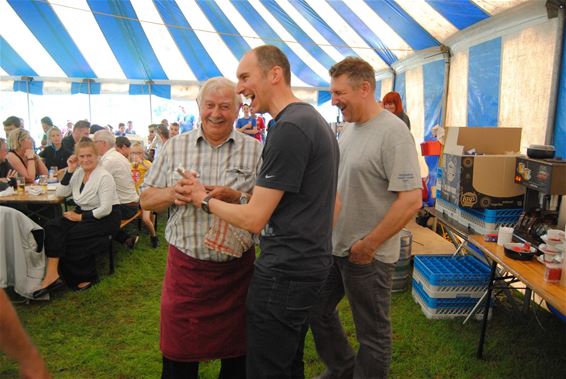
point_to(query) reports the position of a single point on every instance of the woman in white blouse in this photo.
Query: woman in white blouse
(72, 241)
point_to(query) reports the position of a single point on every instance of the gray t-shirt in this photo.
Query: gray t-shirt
(377, 159)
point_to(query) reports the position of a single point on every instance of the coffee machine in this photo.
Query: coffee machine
(545, 182)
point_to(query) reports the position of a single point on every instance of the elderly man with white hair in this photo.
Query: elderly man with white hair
(119, 167)
(210, 263)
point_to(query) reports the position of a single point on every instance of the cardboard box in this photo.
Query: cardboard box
(544, 175)
(486, 180)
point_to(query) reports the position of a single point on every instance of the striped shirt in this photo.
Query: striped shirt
(234, 164)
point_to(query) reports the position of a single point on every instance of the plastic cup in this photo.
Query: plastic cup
(552, 272)
(504, 235)
(43, 180)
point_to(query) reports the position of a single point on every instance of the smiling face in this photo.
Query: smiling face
(218, 113)
(88, 159)
(347, 98)
(390, 107)
(252, 83)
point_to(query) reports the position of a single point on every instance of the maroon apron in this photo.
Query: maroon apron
(203, 307)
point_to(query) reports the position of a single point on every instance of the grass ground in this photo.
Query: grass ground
(112, 331)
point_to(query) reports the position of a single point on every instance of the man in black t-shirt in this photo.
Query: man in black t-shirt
(292, 207)
(81, 129)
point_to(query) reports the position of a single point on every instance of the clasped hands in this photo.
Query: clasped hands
(189, 190)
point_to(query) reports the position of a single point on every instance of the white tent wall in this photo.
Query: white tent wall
(457, 108)
(414, 102)
(528, 43)
(527, 69)
(386, 86)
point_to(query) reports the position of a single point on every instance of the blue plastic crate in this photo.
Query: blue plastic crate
(498, 216)
(440, 302)
(452, 271)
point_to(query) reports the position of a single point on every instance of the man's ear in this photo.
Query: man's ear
(366, 88)
(275, 74)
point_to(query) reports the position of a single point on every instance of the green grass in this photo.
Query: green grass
(112, 331)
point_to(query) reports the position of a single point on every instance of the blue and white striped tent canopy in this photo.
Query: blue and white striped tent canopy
(189, 41)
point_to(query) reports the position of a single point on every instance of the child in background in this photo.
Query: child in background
(139, 167)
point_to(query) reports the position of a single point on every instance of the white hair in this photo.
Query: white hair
(216, 84)
(106, 136)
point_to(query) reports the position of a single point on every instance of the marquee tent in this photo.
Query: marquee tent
(469, 63)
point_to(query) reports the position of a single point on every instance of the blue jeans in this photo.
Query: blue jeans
(368, 289)
(277, 322)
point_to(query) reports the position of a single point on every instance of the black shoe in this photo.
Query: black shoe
(44, 291)
(154, 241)
(131, 242)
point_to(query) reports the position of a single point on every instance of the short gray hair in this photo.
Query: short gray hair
(216, 84)
(106, 136)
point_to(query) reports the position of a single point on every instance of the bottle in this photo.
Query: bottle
(52, 174)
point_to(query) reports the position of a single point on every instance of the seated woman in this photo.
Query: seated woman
(139, 167)
(392, 102)
(54, 154)
(21, 156)
(72, 241)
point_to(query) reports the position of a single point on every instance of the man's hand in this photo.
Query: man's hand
(11, 174)
(73, 216)
(361, 253)
(225, 194)
(189, 190)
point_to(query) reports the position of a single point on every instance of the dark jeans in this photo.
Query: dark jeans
(230, 368)
(277, 322)
(368, 289)
(127, 211)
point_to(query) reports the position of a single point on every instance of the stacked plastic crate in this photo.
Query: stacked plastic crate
(481, 221)
(449, 287)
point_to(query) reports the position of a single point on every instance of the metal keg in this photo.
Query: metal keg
(402, 269)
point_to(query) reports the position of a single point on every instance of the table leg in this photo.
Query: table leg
(527, 299)
(486, 310)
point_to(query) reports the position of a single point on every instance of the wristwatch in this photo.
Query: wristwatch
(204, 203)
(244, 198)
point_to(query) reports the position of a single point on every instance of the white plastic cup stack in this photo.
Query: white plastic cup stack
(504, 235)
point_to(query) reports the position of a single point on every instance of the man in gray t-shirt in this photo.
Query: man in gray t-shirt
(379, 191)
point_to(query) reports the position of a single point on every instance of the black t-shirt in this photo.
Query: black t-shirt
(4, 168)
(301, 158)
(68, 143)
(52, 157)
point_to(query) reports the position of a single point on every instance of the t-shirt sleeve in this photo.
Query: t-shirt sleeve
(402, 166)
(157, 175)
(284, 160)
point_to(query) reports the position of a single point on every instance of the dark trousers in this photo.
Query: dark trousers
(78, 243)
(277, 322)
(230, 368)
(127, 211)
(368, 289)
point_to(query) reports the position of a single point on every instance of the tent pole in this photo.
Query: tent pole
(28, 79)
(150, 105)
(89, 105)
(550, 125)
(446, 52)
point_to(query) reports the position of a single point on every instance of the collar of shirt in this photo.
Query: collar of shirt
(200, 136)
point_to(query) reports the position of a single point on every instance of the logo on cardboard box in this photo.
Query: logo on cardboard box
(469, 199)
